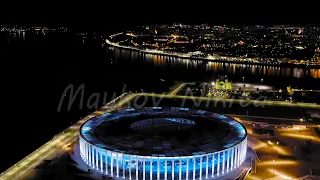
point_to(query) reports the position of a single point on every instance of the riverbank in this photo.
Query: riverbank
(185, 56)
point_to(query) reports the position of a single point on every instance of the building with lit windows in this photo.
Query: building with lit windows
(163, 143)
(222, 83)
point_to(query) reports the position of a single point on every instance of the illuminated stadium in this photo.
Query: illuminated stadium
(163, 143)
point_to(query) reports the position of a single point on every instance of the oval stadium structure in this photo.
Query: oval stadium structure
(163, 143)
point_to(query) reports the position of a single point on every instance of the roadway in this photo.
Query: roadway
(270, 120)
(177, 89)
(243, 101)
(59, 144)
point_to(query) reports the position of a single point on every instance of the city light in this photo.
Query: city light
(278, 53)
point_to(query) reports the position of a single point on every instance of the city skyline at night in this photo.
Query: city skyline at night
(163, 97)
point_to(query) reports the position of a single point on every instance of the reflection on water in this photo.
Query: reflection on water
(205, 66)
(238, 69)
(315, 73)
(20, 35)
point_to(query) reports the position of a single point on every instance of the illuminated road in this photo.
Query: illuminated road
(177, 89)
(60, 142)
(243, 101)
(255, 118)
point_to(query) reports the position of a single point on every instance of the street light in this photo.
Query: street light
(273, 167)
(242, 78)
(261, 80)
(18, 172)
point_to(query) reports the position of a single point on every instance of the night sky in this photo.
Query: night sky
(124, 13)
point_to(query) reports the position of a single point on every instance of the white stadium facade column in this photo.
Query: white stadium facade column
(93, 157)
(82, 148)
(88, 154)
(228, 155)
(238, 154)
(212, 169)
(207, 165)
(158, 169)
(242, 150)
(180, 167)
(89, 147)
(165, 168)
(187, 168)
(106, 157)
(232, 154)
(123, 167)
(97, 157)
(245, 146)
(130, 166)
(218, 167)
(239, 148)
(200, 167)
(137, 165)
(101, 161)
(86, 151)
(117, 162)
(151, 167)
(111, 163)
(242, 154)
(223, 160)
(235, 157)
(194, 167)
(144, 168)
(172, 170)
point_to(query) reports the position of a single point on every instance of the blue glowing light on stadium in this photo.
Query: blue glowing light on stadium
(106, 114)
(86, 128)
(180, 120)
(184, 109)
(221, 158)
